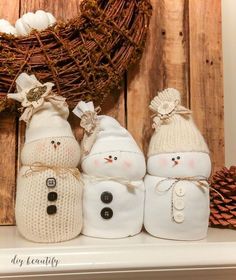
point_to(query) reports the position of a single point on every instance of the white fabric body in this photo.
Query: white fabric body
(193, 212)
(193, 218)
(127, 206)
(32, 218)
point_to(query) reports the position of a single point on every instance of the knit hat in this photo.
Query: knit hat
(103, 133)
(175, 130)
(44, 112)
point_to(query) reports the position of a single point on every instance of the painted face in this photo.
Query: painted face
(185, 164)
(126, 165)
(57, 151)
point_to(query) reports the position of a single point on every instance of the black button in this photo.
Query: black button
(52, 196)
(51, 209)
(51, 182)
(106, 197)
(107, 213)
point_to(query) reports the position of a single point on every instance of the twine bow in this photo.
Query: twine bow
(59, 170)
(122, 181)
(201, 182)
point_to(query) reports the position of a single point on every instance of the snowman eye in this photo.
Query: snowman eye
(110, 156)
(115, 158)
(52, 142)
(173, 159)
(58, 143)
(178, 157)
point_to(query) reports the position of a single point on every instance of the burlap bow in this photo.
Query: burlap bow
(165, 110)
(165, 105)
(90, 123)
(36, 102)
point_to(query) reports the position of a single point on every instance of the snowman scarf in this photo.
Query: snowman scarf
(60, 171)
(127, 183)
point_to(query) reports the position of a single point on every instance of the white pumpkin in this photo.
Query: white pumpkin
(6, 27)
(40, 20)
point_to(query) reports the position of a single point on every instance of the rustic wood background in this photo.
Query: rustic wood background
(183, 50)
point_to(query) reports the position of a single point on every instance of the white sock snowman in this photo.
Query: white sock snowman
(178, 166)
(49, 191)
(113, 169)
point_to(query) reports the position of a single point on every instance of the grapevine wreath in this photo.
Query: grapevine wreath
(85, 57)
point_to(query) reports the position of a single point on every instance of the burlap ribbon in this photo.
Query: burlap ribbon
(201, 182)
(57, 100)
(165, 111)
(90, 123)
(59, 170)
(122, 181)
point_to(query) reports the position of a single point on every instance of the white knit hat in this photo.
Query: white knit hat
(175, 130)
(103, 133)
(44, 112)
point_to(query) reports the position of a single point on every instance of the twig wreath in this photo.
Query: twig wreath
(85, 57)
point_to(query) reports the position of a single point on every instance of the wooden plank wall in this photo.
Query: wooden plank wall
(206, 74)
(183, 50)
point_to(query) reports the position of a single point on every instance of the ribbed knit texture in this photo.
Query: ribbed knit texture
(32, 193)
(180, 134)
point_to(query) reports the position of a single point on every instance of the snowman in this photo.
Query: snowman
(178, 166)
(113, 169)
(49, 190)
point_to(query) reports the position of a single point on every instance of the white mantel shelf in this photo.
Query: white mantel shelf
(143, 252)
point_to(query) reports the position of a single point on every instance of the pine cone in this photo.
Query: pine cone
(223, 211)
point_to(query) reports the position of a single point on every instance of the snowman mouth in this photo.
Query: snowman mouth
(108, 160)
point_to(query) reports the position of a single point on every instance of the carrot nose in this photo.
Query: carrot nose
(55, 146)
(108, 160)
(175, 163)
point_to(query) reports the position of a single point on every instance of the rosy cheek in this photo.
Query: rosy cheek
(71, 152)
(163, 162)
(191, 163)
(96, 162)
(40, 147)
(127, 164)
